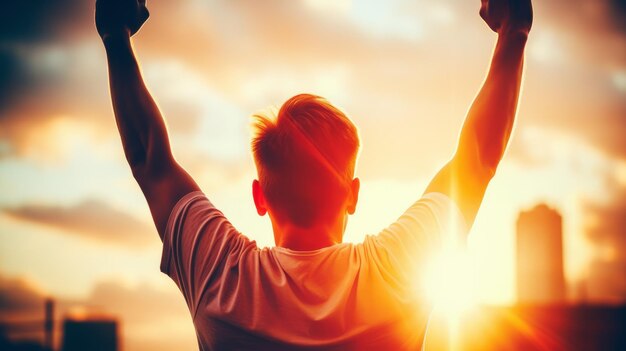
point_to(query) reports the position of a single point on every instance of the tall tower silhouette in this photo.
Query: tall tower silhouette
(540, 277)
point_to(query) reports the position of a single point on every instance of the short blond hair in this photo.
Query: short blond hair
(305, 157)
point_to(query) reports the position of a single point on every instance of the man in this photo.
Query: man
(311, 291)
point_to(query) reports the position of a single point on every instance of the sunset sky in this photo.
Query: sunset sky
(74, 225)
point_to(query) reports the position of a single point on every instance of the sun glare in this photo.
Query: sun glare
(449, 282)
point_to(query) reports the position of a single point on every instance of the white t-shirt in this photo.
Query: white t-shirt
(366, 296)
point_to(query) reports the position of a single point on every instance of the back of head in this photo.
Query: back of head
(305, 159)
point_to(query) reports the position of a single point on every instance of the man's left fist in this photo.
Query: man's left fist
(507, 16)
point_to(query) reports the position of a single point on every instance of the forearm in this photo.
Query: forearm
(139, 121)
(490, 120)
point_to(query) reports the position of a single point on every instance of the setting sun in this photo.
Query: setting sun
(449, 283)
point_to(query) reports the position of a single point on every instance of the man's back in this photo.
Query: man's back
(363, 296)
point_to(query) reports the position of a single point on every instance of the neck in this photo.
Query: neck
(307, 239)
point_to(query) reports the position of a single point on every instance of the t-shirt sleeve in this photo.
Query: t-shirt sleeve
(199, 246)
(423, 230)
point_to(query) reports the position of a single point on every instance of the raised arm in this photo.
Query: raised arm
(139, 121)
(488, 125)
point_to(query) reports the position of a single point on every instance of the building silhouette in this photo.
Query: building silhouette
(90, 334)
(540, 277)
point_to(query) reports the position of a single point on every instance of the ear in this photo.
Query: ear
(259, 198)
(355, 186)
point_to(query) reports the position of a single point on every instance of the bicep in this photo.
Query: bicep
(162, 187)
(463, 180)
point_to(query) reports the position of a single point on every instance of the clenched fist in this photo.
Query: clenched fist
(507, 16)
(120, 16)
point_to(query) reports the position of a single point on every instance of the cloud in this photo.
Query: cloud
(134, 305)
(575, 52)
(137, 304)
(40, 20)
(618, 8)
(19, 298)
(92, 219)
(607, 232)
(416, 85)
(610, 222)
(12, 78)
(50, 82)
(30, 23)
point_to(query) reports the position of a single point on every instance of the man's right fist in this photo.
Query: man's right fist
(120, 16)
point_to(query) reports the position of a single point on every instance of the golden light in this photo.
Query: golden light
(449, 283)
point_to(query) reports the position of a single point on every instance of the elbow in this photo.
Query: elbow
(136, 153)
(151, 167)
(138, 163)
(489, 161)
(489, 153)
(479, 151)
(489, 170)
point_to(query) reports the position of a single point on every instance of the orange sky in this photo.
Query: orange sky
(74, 225)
